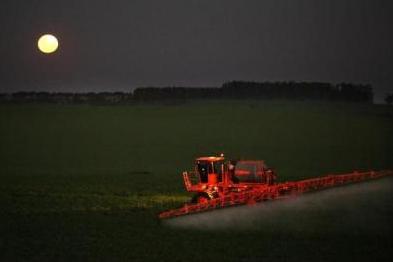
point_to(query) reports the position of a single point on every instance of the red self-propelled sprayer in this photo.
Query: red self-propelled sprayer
(218, 183)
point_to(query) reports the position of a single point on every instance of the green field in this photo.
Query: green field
(87, 182)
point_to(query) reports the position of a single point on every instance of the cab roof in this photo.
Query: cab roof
(210, 158)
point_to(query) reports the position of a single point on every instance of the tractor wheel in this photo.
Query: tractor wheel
(200, 198)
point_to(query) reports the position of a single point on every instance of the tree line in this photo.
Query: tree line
(230, 90)
(68, 98)
(389, 99)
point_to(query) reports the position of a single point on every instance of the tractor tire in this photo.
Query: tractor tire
(200, 198)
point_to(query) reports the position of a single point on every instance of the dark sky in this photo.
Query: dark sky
(118, 45)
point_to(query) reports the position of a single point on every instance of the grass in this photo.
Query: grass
(87, 182)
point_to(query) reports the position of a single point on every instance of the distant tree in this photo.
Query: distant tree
(389, 99)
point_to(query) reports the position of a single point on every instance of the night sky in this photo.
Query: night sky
(120, 45)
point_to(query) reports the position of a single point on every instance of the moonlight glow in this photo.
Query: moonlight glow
(48, 44)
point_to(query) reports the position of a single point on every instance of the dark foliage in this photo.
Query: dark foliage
(389, 99)
(234, 90)
(69, 98)
(265, 90)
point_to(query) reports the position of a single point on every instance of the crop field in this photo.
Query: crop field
(87, 182)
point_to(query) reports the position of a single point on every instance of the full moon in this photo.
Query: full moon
(47, 43)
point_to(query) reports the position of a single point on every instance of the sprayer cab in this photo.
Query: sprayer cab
(210, 169)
